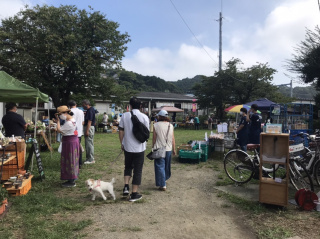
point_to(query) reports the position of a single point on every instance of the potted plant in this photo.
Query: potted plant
(40, 126)
(3, 199)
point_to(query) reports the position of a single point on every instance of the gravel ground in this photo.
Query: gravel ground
(190, 208)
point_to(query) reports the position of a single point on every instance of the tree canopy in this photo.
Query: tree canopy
(306, 60)
(234, 86)
(137, 82)
(62, 51)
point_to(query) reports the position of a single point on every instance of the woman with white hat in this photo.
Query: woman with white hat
(163, 135)
(70, 146)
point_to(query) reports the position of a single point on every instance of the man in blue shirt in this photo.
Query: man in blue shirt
(242, 131)
(88, 129)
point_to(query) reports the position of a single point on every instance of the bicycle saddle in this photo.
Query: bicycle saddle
(252, 146)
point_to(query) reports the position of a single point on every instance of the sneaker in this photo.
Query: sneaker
(163, 188)
(89, 162)
(135, 197)
(125, 191)
(68, 184)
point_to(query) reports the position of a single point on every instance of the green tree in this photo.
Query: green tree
(62, 51)
(306, 60)
(233, 86)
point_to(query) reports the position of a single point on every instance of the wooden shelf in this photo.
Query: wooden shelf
(274, 146)
(272, 162)
(272, 181)
(12, 157)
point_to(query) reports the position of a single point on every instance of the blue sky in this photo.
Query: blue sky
(162, 45)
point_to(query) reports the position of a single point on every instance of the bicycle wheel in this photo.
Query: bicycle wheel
(316, 172)
(238, 166)
(299, 176)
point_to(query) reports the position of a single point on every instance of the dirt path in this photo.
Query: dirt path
(190, 208)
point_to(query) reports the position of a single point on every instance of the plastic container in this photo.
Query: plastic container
(204, 157)
(189, 156)
(204, 148)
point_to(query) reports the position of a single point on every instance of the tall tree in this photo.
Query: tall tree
(306, 60)
(235, 86)
(62, 51)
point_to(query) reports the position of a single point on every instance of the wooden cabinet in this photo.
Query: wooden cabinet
(274, 153)
(10, 166)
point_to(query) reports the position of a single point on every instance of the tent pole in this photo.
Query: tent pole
(49, 128)
(35, 129)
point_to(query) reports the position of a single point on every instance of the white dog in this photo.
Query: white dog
(96, 187)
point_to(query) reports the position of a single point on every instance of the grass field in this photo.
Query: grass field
(47, 211)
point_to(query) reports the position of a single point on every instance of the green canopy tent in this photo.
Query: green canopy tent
(13, 90)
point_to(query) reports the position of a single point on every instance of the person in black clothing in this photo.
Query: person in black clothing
(242, 131)
(255, 125)
(13, 123)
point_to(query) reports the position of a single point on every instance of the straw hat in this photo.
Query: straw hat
(63, 109)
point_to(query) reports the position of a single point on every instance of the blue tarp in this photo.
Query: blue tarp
(263, 104)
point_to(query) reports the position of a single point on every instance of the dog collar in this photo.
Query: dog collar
(98, 183)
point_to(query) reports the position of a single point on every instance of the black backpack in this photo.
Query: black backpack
(139, 130)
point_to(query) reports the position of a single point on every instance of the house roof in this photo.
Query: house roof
(163, 96)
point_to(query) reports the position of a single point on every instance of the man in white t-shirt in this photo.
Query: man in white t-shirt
(78, 116)
(133, 149)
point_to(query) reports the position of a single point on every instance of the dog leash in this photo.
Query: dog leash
(116, 159)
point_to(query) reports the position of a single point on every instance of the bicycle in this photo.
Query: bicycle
(241, 167)
(311, 158)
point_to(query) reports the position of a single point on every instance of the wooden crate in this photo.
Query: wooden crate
(274, 149)
(21, 145)
(23, 190)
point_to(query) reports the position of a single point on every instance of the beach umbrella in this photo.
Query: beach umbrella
(236, 108)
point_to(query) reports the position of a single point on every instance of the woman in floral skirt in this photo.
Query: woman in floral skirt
(70, 146)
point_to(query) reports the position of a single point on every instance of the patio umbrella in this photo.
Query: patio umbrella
(169, 109)
(236, 108)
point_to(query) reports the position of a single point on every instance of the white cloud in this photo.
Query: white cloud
(272, 40)
(275, 39)
(188, 61)
(9, 8)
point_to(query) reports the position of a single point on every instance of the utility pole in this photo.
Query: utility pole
(291, 88)
(220, 41)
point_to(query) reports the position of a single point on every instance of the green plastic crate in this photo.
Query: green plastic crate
(189, 156)
(204, 157)
(204, 148)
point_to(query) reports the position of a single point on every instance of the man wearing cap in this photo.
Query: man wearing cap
(89, 123)
(133, 149)
(13, 123)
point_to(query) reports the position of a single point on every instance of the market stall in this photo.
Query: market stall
(14, 148)
(294, 118)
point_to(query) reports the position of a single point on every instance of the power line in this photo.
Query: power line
(199, 41)
(192, 32)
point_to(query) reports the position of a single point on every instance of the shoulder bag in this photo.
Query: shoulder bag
(160, 152)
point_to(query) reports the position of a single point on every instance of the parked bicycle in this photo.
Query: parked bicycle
(310, 156)
(241, 167)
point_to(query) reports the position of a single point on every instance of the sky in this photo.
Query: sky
(176, 39)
